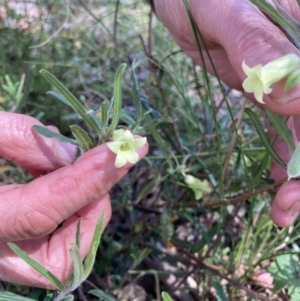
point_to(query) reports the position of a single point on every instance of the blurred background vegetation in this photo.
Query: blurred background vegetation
(223, 246)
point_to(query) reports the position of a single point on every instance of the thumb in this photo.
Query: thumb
(247, 35)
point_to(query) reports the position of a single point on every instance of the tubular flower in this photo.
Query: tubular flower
(199, 187)
(260, 78)
(124, 146)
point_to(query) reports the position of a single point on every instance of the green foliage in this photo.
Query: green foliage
(280, 126)
(80, 270)
(166, 296)
(263, 136)
(102, 295)
(286, 271)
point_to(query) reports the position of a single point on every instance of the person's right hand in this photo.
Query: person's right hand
(234, 31)
(41, 217)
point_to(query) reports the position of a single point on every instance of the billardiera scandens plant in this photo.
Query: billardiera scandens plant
(260, 78)
(199, 187)
(124, 145)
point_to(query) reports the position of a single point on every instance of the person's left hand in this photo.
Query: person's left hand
(41, 217)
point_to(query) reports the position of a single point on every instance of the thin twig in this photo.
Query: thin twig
(233, 139)
(245, 196)
(117, 54)
(202, 265)
(216, 241)
(163, 96)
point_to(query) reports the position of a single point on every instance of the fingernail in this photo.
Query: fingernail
(295, 207)
(282, 97)
(66, 152)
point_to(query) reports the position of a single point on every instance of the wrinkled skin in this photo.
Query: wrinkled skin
(235, 30)
(61, 193)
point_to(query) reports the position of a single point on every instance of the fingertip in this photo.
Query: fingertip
(281, 218)
(286, 204)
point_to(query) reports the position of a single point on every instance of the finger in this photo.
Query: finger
(286, 204)
(247, 35)
(37, 208)
(53, 251)
(24, 146)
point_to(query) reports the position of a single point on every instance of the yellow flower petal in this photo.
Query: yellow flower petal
(199, 187)
(260, 78)
(117, 134)
(120, 160)
(127, 136)
(131, 156)
(198, 194)
(114, 146)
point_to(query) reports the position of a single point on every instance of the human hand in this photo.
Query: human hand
(61, 194)
(235, 31)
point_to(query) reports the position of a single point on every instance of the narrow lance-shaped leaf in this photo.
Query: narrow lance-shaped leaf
(104, 114)
(166, 296)
(90, 259)
(7, 296)
(20, 89)
(67, 298)
(39, 268)
(292, 80)
(102, 295)
(58, 96)
(49, 134)
(263, 136)
(117, 98)
(293, 167)
(78, 234)
(280, 126)
(71, 99)
(77, 274)
(82, 137)
(276, 16)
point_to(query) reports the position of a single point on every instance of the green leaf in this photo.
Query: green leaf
(285, 271)
(293, 167)
(276, 16)
(68, 298)
(7, 296)
(263, 136)
(49, 134)
(90, 259)
(220, 292)
(101, 294)
(78, 234)
(71, 99)
(82, 137)
(58, 96)
(117, 98)
(280, 126)
(77, 274)
(292, 80)
(104, 114)
(44, 272)
(166, 296)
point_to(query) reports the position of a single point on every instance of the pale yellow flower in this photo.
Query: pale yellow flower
(260, 78)
(124, 146)
(199, 187)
